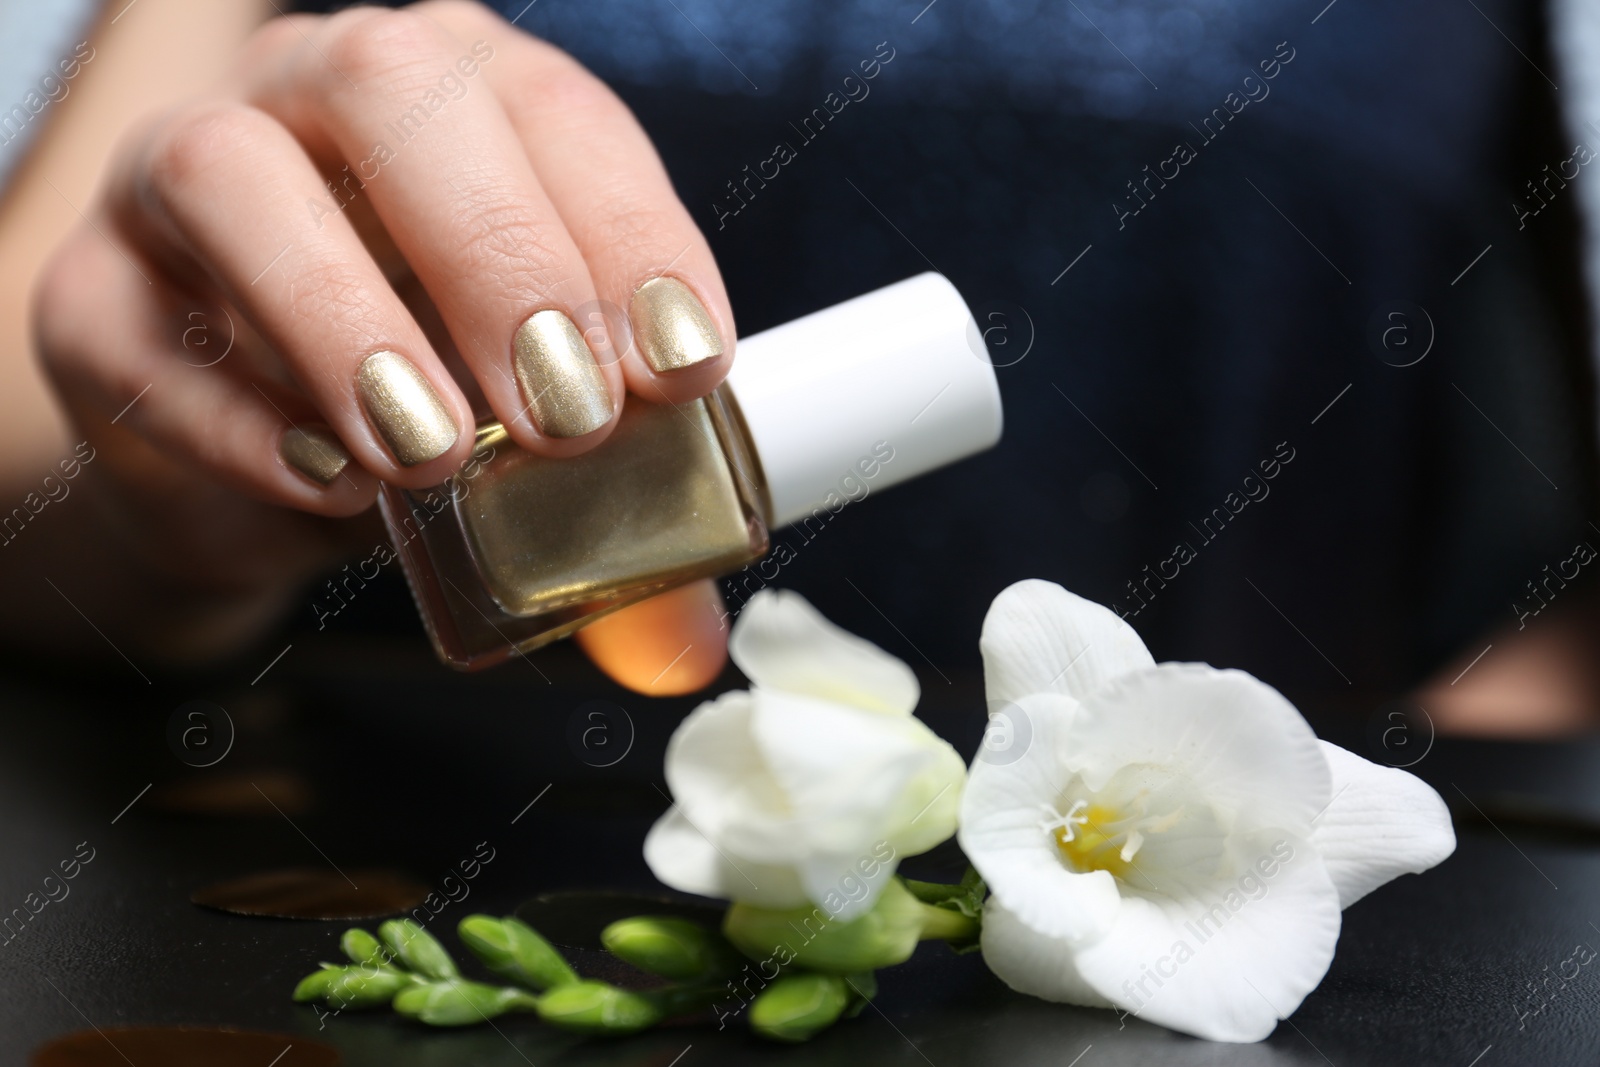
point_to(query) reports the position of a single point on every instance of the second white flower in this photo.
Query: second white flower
(811, 786)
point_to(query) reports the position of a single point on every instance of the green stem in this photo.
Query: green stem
(524, 1001)
(945, 924)
(931, 892)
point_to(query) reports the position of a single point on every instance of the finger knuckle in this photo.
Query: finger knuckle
(193, 144)
(335, 291)
(465, 14)
(277, 35)
(504, 240)
(503, 255)
(567, 88)
(60, 306)
(370, 44)
(630, 229)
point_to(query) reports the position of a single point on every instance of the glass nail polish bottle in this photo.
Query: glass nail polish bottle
(517, 550)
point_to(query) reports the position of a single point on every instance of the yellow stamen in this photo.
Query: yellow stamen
(1095, 841)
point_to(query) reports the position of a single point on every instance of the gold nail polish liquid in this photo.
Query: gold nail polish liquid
(517, 550)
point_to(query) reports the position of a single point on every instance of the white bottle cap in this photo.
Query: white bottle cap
(900, 372)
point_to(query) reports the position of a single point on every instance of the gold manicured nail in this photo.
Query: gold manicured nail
(404, 409)
(671, 326)
(562, 383)
(314, 452)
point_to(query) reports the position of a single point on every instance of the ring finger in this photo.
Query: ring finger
(308, 285)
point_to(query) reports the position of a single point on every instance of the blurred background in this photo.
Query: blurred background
(1351, 278)
(1339, 351)
(1156, 341)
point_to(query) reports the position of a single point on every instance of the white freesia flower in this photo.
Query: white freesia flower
(1169, 840)
(813, 784)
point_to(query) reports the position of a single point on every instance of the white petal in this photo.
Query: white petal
(929, 809)
(1227, 966)
(1184, 851)
(716, 771)
(1245, 749)
(1383, 823)
(1032, 963)
(1001, 833)
(895, 792)
(722, 791)
(846, 884)
(1039, 638)
(680, 856)
(856, 779)
(781, 642)
(683, 858)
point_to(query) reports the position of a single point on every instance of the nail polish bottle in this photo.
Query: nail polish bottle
(516, 550)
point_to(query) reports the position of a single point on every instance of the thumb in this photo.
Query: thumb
(671, 644)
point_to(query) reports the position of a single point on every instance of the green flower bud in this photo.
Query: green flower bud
(364, 987)
(813, 939)
(670, 947)
(315, 984)
(417, 949)
(597, 1008)
(863, 987)
(797, 1006)
(362, 947)
(458, 1002)
(514, 950)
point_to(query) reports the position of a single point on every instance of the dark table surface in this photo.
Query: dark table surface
(410, 767)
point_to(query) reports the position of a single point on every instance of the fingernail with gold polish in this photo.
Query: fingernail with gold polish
(405, 410)
(314, 452)
(671, 325)
(560, 379)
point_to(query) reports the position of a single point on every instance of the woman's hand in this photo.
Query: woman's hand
(382, 223)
